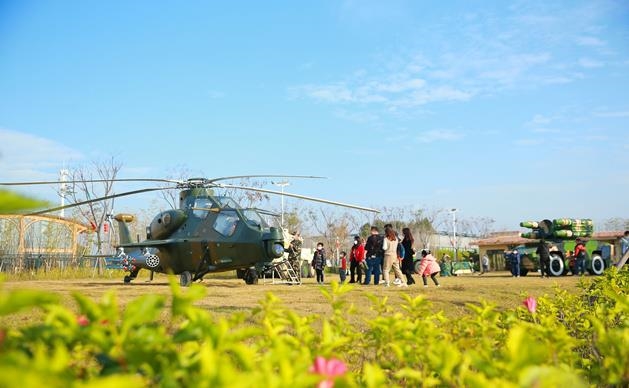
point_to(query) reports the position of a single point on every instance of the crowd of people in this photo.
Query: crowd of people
(375, 258)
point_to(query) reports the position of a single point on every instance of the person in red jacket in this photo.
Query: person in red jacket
(343, 266)
(579, 257)
(356, 257)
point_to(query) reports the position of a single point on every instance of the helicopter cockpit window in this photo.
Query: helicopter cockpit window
(226, 222)
(254, 218)
(201, 207)
(227, 202)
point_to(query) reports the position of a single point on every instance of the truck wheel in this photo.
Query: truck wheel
(556, 266)
(598, 265)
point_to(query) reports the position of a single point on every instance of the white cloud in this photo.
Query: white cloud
(530, 48)
(590, 63)
(546, 130)
(529, 142)
(590, 41)
(442, 93)
(438, 135)
(329, 93)
(400, 86)
(540, 120)
(612, 114)
(25, 157)
(596, 137)
(357, 117)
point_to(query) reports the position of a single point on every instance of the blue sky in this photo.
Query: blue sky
(507, 110)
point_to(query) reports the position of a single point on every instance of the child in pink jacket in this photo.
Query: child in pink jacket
(429, 266)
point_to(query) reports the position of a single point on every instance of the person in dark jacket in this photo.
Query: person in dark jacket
(544, 258)
(318, 262)
(515, 263)
(408, 267)
(374, 255)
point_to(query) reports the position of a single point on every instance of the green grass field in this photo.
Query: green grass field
(226, 295)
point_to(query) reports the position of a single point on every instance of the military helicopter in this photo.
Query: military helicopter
(208, 233)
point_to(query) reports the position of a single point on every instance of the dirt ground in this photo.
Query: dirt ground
(226, 295)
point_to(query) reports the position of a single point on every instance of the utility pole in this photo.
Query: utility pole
(63, 189)
(454, 242)
(282, 184)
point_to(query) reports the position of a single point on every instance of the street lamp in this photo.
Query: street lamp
(282, 184)
(456, 248)
(63, 189)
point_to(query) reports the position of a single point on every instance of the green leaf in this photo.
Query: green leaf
(17, 300)
(11, 202)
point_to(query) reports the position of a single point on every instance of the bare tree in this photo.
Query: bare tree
(294, 220)
(332, 227)
(477, 226)
(422, 226)
(246, 198)
(616, 223)
(95, 213)
(171, 197)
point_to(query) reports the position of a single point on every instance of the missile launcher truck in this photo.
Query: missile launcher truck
(560, 235)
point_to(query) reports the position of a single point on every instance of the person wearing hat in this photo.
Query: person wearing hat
(356, 259)
(515, 263)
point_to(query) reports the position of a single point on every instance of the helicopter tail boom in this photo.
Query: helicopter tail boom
(123, 229)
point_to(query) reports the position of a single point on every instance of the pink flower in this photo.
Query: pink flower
(331, 369)
(531, 304)
(82, 320)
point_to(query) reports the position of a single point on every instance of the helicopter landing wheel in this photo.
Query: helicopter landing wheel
(185, 279)
(127, 279)
(251, 276)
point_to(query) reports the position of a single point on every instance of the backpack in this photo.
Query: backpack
(400, 250)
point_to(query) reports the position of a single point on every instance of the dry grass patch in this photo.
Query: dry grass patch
(226, 296)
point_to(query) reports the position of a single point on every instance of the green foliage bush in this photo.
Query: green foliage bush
(11, 202)
(573, 340)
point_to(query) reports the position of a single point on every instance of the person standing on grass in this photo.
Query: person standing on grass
(343, 266)
(429, 267)
(389, 246)
(544, 258)
(408, 267)
(484, 264)
(515, 263)
(624, 243)
(318, 262)
(294, 253)
(356, 257)
(579, 257)
(375, 254)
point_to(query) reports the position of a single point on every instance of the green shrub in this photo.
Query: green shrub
(572, 340)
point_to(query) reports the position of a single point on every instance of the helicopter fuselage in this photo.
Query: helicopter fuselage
(207, 234)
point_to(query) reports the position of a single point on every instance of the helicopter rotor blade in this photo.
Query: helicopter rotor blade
(98, 199)
(300, 197)
(90, 181)
(264, 176)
